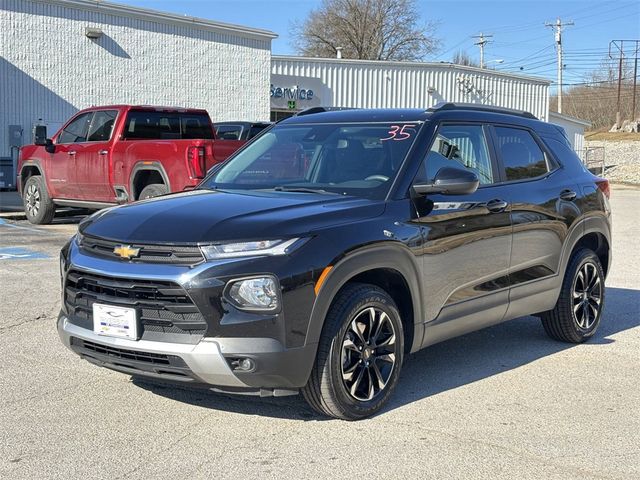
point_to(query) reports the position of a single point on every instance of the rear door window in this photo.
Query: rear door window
(522, 157)
(102, 125)
(143, 125)
(76, 130)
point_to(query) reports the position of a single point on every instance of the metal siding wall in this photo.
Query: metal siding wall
(49, 69)
(355, 84)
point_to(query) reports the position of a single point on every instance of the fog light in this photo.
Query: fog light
(243, 364)
(258, 293)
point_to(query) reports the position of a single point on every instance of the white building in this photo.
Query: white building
(574, 128)
(298, 83)
(58, 56)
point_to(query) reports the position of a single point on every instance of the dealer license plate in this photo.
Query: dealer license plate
(115, 321)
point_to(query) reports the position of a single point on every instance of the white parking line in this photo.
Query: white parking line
(3, 223)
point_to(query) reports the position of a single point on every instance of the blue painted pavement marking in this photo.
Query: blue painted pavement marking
(17, 253)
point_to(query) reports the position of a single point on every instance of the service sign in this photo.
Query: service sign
(296, 93)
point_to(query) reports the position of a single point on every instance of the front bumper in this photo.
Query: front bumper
(276, 342)
(204, 363)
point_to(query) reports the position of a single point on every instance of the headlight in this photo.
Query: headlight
(79, 239)
(257, 293)
(246, 249)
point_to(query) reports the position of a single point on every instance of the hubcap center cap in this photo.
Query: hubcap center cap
(367, 353)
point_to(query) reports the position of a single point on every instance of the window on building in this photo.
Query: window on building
(76, 131)
(102, 125)
(458, 146)
(521, 155)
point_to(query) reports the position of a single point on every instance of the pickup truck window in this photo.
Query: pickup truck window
(76, 130)
(229, 132)
(144, 125)
(102, 125)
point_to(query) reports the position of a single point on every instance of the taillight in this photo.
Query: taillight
(603, 185)
(196, 162)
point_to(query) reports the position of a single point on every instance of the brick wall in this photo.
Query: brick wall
(49, 69)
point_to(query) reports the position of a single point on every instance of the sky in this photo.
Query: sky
(520, 42)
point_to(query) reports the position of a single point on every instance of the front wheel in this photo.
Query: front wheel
(38, 206)
(359, 355)
(576, 316)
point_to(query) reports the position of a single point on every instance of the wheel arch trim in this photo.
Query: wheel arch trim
(146, 165)
(387, 255)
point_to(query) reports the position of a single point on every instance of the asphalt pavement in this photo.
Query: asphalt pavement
(504, 402)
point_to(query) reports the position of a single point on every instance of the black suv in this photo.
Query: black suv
(336, 243)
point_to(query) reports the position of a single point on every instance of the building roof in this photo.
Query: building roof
(425, 65)
(164, 17)
(568, 118)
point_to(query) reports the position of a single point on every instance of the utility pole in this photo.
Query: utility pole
(482, 41)
(618, 45)
(557, 28)
(635, 81)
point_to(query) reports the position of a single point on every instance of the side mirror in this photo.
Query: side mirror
(450, 181)
(49, 146)
(39, 135)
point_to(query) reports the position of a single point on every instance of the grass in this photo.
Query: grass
(612, 136)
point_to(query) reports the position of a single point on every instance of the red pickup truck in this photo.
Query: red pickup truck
(116, 154)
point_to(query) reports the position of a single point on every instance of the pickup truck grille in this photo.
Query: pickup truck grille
(164, 309)
(167, 254)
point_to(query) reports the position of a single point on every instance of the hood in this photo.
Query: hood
(204, 216)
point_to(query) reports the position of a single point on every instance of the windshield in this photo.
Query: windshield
(346, 159)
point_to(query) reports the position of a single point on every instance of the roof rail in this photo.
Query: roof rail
(310, 110)
(481, 108)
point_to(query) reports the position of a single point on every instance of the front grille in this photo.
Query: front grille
(168, 254)
(158, 365)
(124, 354)
(164, 309)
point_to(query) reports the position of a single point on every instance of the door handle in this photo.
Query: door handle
(71, 152)
(496, 206)
(569, 195)
(103, 152)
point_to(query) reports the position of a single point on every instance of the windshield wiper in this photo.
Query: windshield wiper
(284, 188)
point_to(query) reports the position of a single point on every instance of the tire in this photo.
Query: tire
(153, 190)
(577, 314)
(38, 206)
(342, 383)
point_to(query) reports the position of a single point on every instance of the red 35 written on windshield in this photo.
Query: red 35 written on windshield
(400, 132)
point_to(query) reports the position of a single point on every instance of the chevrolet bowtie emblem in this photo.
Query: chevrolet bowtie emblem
(126, 251)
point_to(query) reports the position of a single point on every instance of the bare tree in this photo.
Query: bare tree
(463, 58)
(365, 29)
(595, 99)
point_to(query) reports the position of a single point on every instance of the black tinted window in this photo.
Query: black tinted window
(256, 129)
(521, 156)
(76, 131)
(102, 125)
(167, 126)
(229, 132)
(462, 146)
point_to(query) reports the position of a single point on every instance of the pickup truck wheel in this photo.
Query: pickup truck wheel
(359, 355)
(153, 190)
(576, 316)
(38, 206)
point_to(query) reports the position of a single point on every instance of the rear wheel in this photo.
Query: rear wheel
(153, 190)
(38, 207)
(359, 355)
(576, 316)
